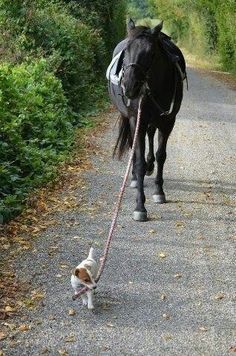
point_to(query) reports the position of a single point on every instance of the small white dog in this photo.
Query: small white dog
(84, 274)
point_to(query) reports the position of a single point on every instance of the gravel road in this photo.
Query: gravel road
(169, 284)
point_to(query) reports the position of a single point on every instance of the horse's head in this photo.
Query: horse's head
(138, 57)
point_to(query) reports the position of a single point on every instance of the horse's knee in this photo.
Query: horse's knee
(161, 156)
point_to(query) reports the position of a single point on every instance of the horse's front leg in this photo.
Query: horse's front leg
(159, 195)
(150, 157)
(139, 166)
(133, 183)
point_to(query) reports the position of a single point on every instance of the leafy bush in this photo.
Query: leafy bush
(205, 27)
(227, 33)
(108, 16)
(75, 50)
(53, 56)
(36, 130)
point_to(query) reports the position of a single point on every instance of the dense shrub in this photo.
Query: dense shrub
(36, 130)
(53, 56)
(226, 20)
(75, 50)
(205, 27)
(106, 15)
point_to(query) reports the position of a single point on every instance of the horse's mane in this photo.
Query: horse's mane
(137, 31)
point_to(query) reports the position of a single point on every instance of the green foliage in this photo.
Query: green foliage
(138, 9)
(205, 27)
(73, 48)
(226, 20)
(36, 130)
(53, 56)
(108, 16)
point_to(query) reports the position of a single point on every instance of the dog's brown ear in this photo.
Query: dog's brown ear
(76, 272)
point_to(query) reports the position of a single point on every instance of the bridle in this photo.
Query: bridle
(138, 66)
(147, 90)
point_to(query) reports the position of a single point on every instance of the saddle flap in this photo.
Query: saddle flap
(114, 70)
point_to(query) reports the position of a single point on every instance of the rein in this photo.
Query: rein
(164, 113)
(118, 204)
(147, 90)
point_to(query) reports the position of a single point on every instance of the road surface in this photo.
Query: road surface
(169, 283)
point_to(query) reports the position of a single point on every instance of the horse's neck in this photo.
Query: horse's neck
(161, 79)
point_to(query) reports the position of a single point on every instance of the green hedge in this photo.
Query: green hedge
(53, 56)
(108, 16)
(75, 50)
(226, 23)
(205, 27)
(36, 131)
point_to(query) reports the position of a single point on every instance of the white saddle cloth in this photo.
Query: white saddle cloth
(111, 73)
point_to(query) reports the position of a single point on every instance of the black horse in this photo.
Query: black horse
(146, 63)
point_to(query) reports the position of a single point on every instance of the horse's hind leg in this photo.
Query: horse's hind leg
(159, 195)
(150, 157)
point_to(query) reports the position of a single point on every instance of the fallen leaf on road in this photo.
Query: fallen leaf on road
(232, 349)
(203, 328)
(219, 296)
(178, 275)
(106, 306)
(45, 350)
(37, 295)
(163, 296)
(162, 255)
(110, 325)
(64, 266)
(51, 317)
(166, 316)
(70, 338)
(10, 326)
(71, 312)
(152, 231)
(9, 309)
(24, 327)
(63, 352)
(2, 336)
(167, 337)
(179, 224)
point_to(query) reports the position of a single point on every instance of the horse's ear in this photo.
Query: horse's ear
(157, 29)
(130, 25)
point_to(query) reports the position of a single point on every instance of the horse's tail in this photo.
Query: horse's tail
(124, 140)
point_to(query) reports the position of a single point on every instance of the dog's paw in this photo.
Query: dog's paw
(84, 302)
(90, 307)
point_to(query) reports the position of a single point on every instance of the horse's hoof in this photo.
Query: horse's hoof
(159, 198)
(133, 184)
(140, 216)
(149, 173)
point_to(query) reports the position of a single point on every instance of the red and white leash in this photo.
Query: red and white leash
(118, 204)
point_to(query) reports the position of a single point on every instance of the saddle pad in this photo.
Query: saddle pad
(114, 70)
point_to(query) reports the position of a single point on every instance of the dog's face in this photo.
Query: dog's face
(85, 277)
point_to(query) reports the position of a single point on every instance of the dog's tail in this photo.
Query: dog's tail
(91, 253)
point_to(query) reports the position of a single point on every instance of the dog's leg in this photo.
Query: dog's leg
(90, 299)
(84, 299)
